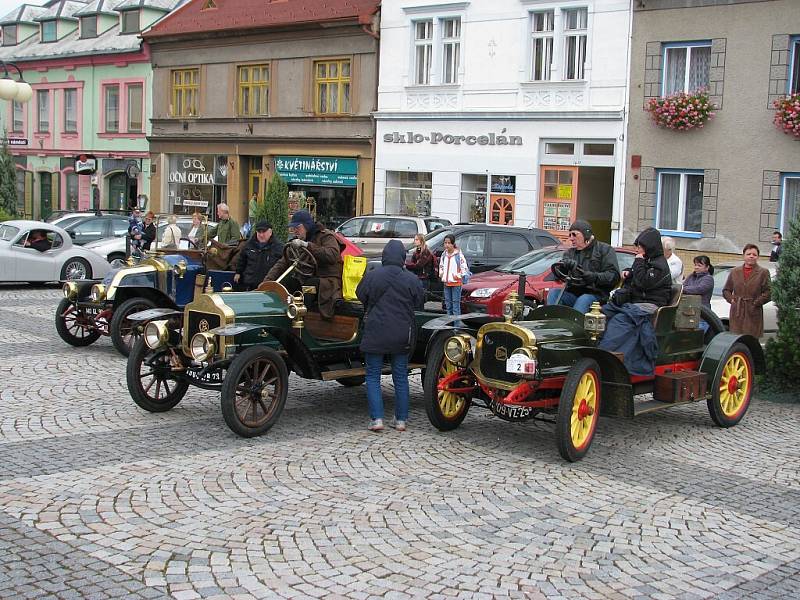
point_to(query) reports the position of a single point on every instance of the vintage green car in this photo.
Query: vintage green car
(245, 344)
(550, 364)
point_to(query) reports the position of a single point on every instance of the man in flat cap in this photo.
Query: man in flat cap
(257, 257)
(591, 269)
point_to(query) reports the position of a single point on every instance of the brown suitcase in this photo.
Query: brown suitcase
(680, 386)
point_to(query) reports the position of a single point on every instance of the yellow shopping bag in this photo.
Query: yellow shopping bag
(352, 272)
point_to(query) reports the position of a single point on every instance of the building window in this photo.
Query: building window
(408, 192)
(18, 117)
(48, 31)
(791, 201)
(451, 49)
(71, 111)
(9, 35)
(474, 190)
(185, 88)
(254, 90)
(423, 51)
(686, 67)
(43, 108)
(543, 29)
(112, 108)
(135, 108)
(332, 80)
(794, 66)
(89, 27)
(575, 35)
(72, 191)
(680, 201)
(130, 21)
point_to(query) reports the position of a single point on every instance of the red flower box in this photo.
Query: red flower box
(787, 114)
(682, 111)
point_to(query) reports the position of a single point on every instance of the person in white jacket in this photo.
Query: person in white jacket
(452, 269)
(172, 233)
(674, 262)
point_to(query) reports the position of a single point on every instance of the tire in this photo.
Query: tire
(578, 410)
(732, 387)
(158, 362)
(76, 269)
(68, 327)
(351, 381)
(115, 256)
(120, 327)
(446, 410)
(715, 324)
(244, 391)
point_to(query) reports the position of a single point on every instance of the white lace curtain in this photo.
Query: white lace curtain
(675, 79)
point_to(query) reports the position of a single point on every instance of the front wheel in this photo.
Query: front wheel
(73, 325)
(122, 329)
(733, 387)
(76, 269)
(254, 391)
(446, 410)
(578, 410)
(152, 383)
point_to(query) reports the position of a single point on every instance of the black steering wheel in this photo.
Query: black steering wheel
(192, 243)
(304, 262)
(562, 274)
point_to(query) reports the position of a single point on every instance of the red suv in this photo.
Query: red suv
(486, 291)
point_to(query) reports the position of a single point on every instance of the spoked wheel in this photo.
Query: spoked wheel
(733, 388)
(76, 269)
(578, 410)
(152, 383)
(73, 325)
(254, 391)
(122, 329)
(446, 410)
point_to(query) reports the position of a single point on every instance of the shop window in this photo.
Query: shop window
(135, 108)
(70, 111)
(72, 191)
(686, 67)
(332, 84)
(680, 201)
(504, 183)
(111, 98)
(9, 35)
(254, 90)
(18, 117)
(185, 89)
(43, 111)
(474, 190)
(559, 148)
(790, 209)
(48, 31)
(88, 27)
(409, 192)
(501, 211)
(130, 21)
(598, 149)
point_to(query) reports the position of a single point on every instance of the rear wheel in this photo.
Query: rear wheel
(446, 410)
(73, 325)
(122, 329)
(152, 383)
(578, 410)
(733, 388)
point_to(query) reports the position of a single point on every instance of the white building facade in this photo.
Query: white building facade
(504, 111)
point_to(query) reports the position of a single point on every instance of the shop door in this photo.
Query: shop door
(45, 194)
(558, 199)
(117, 192)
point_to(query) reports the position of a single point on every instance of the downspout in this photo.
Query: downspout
(620, 216)
(372, 29)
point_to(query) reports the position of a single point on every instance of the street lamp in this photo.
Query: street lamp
(10, 89)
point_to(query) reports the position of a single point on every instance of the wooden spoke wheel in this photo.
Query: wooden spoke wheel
(254, 391)
(578, 410)
(152, 382)
(733, 388)
(122, 329)
(446, 410)
(74, 325)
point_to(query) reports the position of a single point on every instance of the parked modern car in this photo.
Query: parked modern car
(721, 307)
(63, 261)
(371, 232)
(486, 291)
(93, 227)
(62, 218)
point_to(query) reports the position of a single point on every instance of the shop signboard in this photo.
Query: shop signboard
(318, 170)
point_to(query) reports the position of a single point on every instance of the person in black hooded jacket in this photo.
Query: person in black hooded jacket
(649, 280)
(257, 257)
(390, 295)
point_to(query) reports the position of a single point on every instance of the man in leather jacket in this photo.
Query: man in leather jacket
(257, 257)
(592, 269)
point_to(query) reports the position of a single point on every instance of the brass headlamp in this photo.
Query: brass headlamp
(296, 310)
(512, 307)
(70, 290)
(594, 322)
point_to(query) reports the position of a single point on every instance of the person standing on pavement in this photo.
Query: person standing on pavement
(673, 260)
(390, 295)
(452, 268)
(747, 290)
(172, 233)
(421, 262)
(227, 230)
(777, 240)
(257, 257)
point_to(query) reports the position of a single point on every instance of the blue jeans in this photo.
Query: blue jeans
(452, 299)
(582, 303)
(374, 363)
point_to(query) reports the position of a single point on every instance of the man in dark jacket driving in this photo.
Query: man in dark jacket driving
(591, 268)
(257, 257)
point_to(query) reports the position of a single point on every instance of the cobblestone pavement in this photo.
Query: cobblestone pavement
(101, 499)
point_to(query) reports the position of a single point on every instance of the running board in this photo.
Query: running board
(649, 406)
(342, 373)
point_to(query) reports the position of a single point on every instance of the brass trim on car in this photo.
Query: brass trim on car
(209, 304)
(121, 274)
(527, 337)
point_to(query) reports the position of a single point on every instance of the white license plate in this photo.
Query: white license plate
(521, 365)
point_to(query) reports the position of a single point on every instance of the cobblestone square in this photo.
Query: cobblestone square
(100, 499)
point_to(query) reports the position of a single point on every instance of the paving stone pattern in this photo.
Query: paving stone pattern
(99, 499)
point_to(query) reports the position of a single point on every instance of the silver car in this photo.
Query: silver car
(371, 232)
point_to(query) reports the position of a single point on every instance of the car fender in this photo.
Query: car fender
(711, 363)
(297, 355)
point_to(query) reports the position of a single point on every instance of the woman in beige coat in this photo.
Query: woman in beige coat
(747, 291)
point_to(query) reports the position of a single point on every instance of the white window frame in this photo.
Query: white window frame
(557, 68)
(436, 44)
(676, 45)
(546, 35)
(783, 226)
(70, 110)
(453, 62)
(793, 85)
(680, 230)
(425, 43)
(577, 33)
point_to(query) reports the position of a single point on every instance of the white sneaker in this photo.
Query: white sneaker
(400, 425)
(376, 425)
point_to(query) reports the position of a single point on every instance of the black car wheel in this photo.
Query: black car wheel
(122, 330)
(76, 269)
(578, 410)
(254, 391)
(446, 410)
(73, 325)
(152, 383)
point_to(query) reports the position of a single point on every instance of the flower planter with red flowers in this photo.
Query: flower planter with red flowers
(787, 114)
(682, 111)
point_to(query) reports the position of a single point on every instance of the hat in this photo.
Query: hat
(304, 218)
(262, 226)
(583, 227)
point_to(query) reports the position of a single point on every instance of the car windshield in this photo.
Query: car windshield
(533, 263)
(7, 232)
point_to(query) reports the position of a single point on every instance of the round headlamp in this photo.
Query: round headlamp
(98, 292)
(291, 311)
(525, 351)
(202, 346)
(70, 290)
(456, 348)
(156, 334)
(180, 268)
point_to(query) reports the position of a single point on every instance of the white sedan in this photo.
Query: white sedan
(35, 251)
(722, 309)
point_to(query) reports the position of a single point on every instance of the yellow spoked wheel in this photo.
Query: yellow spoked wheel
(733, 388)
(578, 410)
(446, 410)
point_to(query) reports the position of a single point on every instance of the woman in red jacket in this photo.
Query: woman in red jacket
(421, 261)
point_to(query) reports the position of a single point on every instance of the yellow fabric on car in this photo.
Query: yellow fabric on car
(352, 272)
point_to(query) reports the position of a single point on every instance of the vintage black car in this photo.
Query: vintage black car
(550, 364)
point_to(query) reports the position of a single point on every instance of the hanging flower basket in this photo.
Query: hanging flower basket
(681, 111)
(787, 114)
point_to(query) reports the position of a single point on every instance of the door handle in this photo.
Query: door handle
(478, 263)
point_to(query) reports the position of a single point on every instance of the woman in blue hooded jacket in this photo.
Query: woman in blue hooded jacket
(390, 295)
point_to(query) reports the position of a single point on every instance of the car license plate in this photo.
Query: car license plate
(520, 364)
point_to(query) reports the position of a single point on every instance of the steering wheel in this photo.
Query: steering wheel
(192, 243)
(304, 262)
(563, 275)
